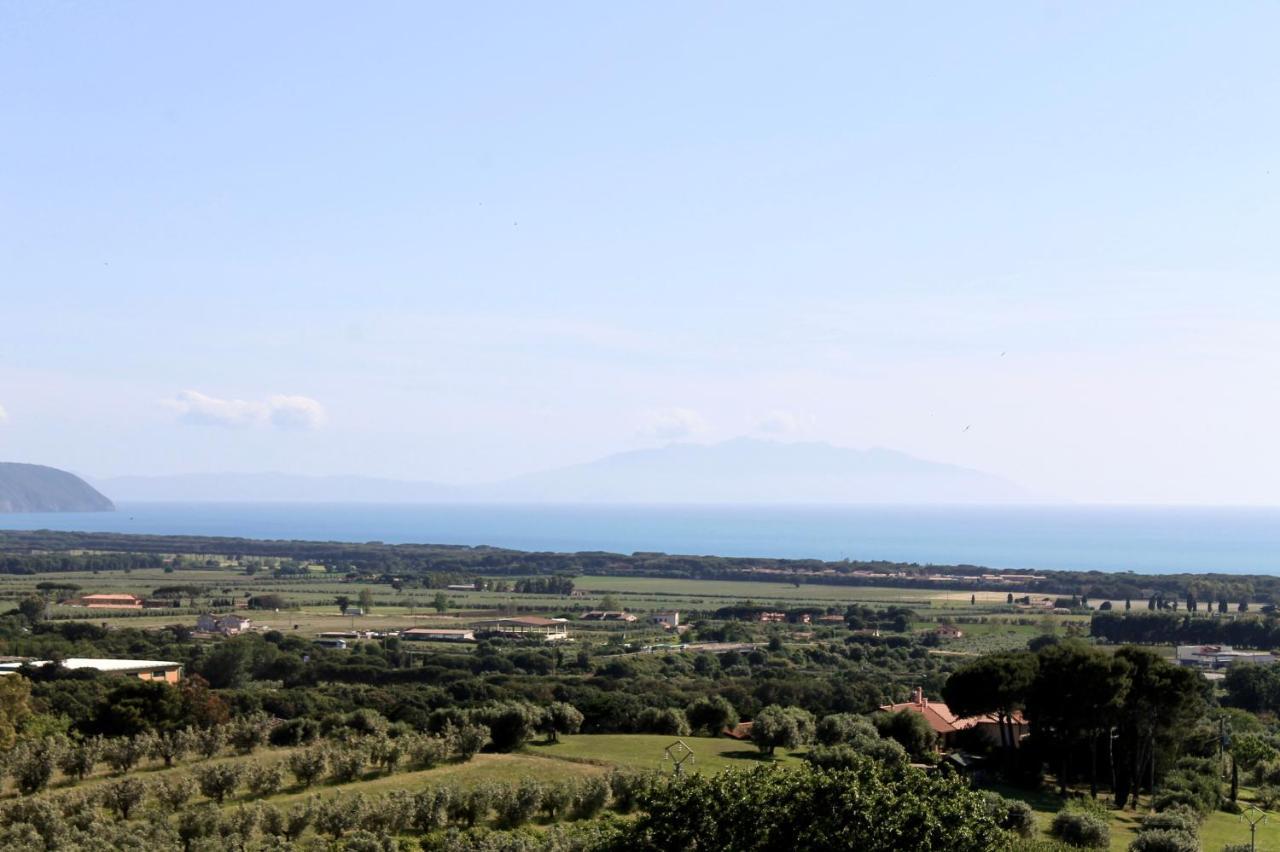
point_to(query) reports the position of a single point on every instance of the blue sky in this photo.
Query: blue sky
(457, 242)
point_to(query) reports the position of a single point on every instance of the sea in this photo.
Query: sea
(1101, 538)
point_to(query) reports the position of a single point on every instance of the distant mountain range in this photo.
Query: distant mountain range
(36, 488)
(742, 470)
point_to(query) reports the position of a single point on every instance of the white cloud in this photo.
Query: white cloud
(4, 415)
(281, 411)
(779, 424)
(295, 412)
(673, 424)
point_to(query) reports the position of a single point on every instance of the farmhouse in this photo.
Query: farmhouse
(227, 625)
(107, 601)
(438, 634)
(946, 631)
(772, 617)
(606, 615)
(948, 725)
(162, 670)
(1220, 656)
(527, 627)
(667, 620)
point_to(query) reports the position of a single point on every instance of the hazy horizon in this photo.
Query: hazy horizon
(460, 244)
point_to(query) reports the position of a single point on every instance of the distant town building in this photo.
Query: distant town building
(946, 631)
(161, 670)
(438, 634)
(667, 620)
(772, 617)
(106, 601)
(527, 627)
(608, 615)
(331, 642)
(1220, 656)
(226, 625)
(948, 725)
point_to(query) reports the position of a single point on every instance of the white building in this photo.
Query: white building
(1220, 656)
(227, 625)
(438, 634)
(668, 620)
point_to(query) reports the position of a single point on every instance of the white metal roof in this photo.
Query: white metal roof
(102, 665)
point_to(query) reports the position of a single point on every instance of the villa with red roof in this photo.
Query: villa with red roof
(947, 724)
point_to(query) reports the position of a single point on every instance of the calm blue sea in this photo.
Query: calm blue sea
(1101, 538)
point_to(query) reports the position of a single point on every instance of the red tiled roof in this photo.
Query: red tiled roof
(942, 720)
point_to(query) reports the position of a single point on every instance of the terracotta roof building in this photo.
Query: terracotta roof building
(947, 724)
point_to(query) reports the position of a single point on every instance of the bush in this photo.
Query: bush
(265, 780)
(1174, 819)
(308, 765)
(123, 796)
(1011, 814)
(124, 753)
(294, 732)
(1165, 840)
(663, 720)
(590, 797)
(219, 780)
(468, 807)
(517, 805)
(31, 764)
(174, 792)
(465, 740)
(346, 764)
(1081, 829)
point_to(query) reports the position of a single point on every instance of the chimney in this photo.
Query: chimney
(918, 697)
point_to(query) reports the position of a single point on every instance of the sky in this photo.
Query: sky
(458, 242)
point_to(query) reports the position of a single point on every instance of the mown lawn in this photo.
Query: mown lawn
(645, 751)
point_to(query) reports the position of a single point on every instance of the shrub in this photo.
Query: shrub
(465, 740)
(79, 760)
(469, 807)
(663, 720)
(264, 779)
(31, 764)
(248, 732)
(219, 780)
(340, 814)
(198, 823)
(1081, 829)
(590, 797)
(308, 765)
(557, 797)
(346, 764)
(174, 792)
(208, 742)
(511, 723)
(844, 728)
(171, 746)
(518, 804)
(431, 807)
(627, 786)
(1174, 819)
(1011, 814)
(428, 751)
(1165, 840)
(386, 752)
(124, 753)
(288, 824)
(294, 732)
(240, 824)
(123, 796)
